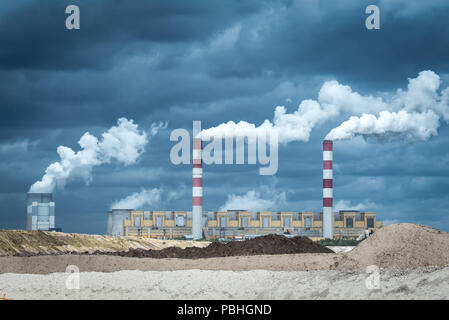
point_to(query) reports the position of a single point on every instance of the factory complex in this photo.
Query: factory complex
(225, 225)
(237, 224)
(240, 224)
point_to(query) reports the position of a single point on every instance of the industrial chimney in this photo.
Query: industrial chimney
(327, 190)
(197, 183)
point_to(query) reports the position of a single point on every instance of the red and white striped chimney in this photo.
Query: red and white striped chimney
(327, 189)
(197, 184)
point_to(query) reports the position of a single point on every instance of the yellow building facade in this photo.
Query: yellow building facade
(238, 224)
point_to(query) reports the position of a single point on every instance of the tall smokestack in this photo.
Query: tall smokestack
(327, 189)
(197, 182)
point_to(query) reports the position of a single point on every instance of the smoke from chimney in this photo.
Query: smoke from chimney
(124, 143)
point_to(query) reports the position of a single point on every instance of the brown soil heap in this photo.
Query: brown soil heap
(403, 245)
(270, 244)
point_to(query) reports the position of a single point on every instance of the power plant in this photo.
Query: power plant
(232, 224)
(240, 224)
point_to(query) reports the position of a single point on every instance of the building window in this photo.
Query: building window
(349, 222)
(180, 221)
(223, 221)
(137, 221)
(159, 222)
(245, 222)
(370, 222)
(42, 218)
(287, 222)
(308, 222)
(43, 210)
(266, 222)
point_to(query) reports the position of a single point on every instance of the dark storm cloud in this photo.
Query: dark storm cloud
(148, 56)
(34, 36)
(323, 38)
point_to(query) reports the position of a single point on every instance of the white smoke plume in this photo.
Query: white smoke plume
(289, 127)
(333, 99)
(123, 143)
(414, 114)
(138, 200)
(411, 126)
(254, 201)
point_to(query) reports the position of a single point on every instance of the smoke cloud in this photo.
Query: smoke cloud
(123, 143)
(289, 127)
(410, 126)
(414, 114)
(255, 201)
(149, 198)
(138, 200)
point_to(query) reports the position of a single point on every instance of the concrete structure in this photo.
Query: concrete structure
(197, 184)
(40, 211)
(327, 189)
(116, 217)
(240, 224)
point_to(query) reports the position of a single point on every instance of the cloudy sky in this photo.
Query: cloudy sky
(166, 63)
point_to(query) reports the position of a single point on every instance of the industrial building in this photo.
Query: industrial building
(40, 211)
(237, 224)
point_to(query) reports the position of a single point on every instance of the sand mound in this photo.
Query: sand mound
(225, 285)
(31, 243)
(403, 245)
(270, 244)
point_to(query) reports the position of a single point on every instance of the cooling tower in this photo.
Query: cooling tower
(197, 188)
(327, 189)
(116, 219)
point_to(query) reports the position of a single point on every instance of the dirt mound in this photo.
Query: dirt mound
(270, 244)
(403, 245)
(32, 243)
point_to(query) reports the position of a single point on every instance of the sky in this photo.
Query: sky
(163, 64)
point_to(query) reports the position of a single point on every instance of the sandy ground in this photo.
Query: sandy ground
(296, 276)
(421, 283)
(103, 263)
(395, 263)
